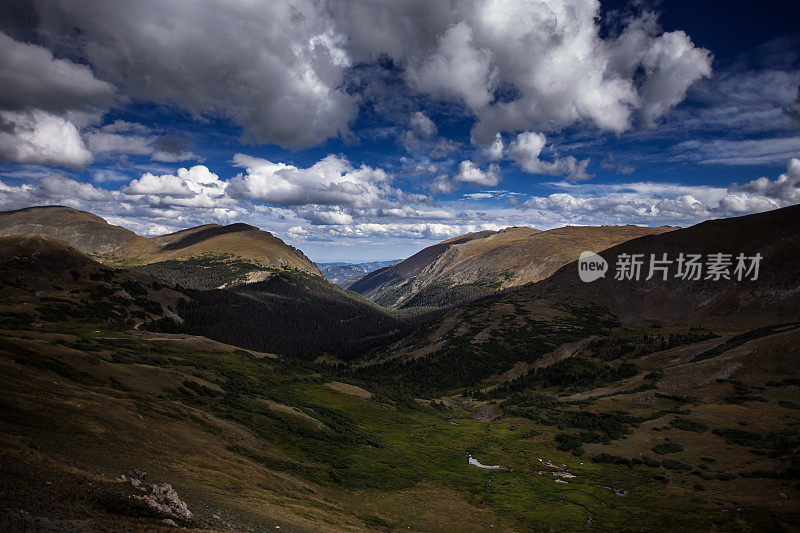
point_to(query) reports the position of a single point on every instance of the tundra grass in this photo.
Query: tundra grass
(232, 450)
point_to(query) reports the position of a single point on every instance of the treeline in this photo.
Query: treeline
(291, 314)
(200, 273)
(448, 295)
(462, 363)
(459, 365)
(573, 374)
(738, 340)
(611, 348)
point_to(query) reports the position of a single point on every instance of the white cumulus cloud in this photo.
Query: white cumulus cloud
(193, 187)
(526, 150)
(280, 69)
(44, 101)
(470, 173)
(276, 68)
(43, 138)
(660, 203)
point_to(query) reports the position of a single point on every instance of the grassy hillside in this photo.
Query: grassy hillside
(251, 443)
(87, 232)
(478, 264)
(247, 250)
(593, 419)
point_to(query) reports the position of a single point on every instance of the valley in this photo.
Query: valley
(345, 274)
(289, 402)
(331, 266)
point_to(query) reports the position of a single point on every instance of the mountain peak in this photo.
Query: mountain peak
(87, 232)
(480, 263)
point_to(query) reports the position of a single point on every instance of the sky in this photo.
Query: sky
(359, 130)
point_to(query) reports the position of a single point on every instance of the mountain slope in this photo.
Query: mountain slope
(469, 342)
(43, 280)
(291, 314)
(234, 242)
(249, 443)
(87, 232)
(206, 256)
(480, 263)
(772, 297)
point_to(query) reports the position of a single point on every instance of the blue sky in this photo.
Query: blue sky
(364, 131)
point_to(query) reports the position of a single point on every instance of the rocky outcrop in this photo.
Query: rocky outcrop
(158, 496)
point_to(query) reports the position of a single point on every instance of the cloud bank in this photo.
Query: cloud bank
(278, 68)
(332, 199)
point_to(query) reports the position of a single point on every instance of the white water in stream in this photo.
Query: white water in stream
(477, 463)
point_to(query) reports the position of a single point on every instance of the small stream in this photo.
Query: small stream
(477, 463)
(560, 473)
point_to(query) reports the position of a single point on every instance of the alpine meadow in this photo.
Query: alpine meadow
(450, 266)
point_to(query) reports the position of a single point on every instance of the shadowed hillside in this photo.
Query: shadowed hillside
(492, 334)
(47, 280)
(291, 314)
(772, 297)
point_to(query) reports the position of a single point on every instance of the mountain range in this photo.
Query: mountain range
(498, 332)
(492, 389)
(344, 274)
(209, 256)
(205, 256)
(478, 264)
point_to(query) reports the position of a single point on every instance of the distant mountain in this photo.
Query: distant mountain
(207, 256)
(345, 274)
(774, 296)
(87, 232)
(211, 256)
(471, 341)
(478, 264)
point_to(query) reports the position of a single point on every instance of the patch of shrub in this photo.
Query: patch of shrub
(689, 425)
(612, 459)
(650, 462)
(672, 464)
(667, 447)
